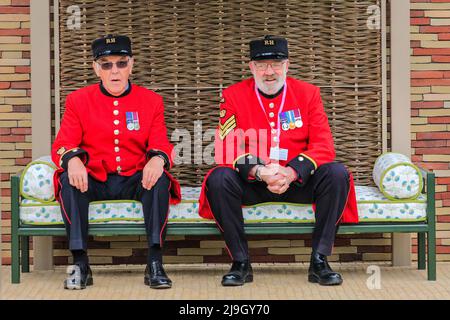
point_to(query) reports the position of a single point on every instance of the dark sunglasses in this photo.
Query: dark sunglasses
(121, 64)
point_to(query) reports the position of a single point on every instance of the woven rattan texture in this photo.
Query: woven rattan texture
(188, 51)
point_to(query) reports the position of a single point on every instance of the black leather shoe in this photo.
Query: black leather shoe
(240, 273)
(156, 277)
(320, 271)
(79, 278)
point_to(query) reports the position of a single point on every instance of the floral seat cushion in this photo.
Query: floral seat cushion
(372, 206)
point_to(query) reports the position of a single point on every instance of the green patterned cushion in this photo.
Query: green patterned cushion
(372, 206)
(36, 182)
(397, 177)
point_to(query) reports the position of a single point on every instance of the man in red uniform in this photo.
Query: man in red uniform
(113, 145)
(274, 144)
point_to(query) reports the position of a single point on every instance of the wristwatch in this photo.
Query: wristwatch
(257, 176)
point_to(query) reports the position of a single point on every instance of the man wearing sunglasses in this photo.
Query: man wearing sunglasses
(112, 145)
(274, 144)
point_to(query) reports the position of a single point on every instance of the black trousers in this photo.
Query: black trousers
(75, 205)
(328, 188)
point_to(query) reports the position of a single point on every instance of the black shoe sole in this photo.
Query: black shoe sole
(89, 282)
(315, 279)
(233, 283)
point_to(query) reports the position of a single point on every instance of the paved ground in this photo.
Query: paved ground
(272, 282)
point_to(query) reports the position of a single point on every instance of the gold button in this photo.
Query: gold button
(116, 122)
(116, 103)
(271, 114)
(300, 159)
(119, 169)
(312, 172)
(271, 105)
(116, 149)
(272, 124)
(118, 159)
(275, 139)
(116, 141)
(116, 132)
(116, 112)
(274, 131)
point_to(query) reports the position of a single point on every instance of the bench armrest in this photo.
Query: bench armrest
(429, 186)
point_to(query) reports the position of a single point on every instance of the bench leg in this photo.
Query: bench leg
(421, 252)
(15, 258)
(25, 242)
(431, 250)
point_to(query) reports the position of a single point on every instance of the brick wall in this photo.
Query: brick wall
(430, 80)
(430, 29)
(15, 110)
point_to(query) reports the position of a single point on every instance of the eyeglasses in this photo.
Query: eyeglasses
(121, 64)
(262, 66)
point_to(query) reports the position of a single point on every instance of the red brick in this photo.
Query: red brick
(5, 85)
(433, 165)
(10, 9)
(446, 203)
(429, 144)
(430, 82)
(21, 131)
(12, 138)
(14, 32)
(23, 69)
(427, 74)
(439, 120)
(26, 39)
(6, 192)
(4, 176)
(415, 44)
(21, 85)
(442, 195)
(430, 51)
(5, 131)
(417, 14)
(443, 180)
(416, 158)
(440, 58)
(442, 249)
(432, 135)
(447, 74)
(420, 151)
(420, 21)
(444, 36)
(427, 104)
(434, 29)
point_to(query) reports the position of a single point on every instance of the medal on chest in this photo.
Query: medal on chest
(132, 121)
(291, 119)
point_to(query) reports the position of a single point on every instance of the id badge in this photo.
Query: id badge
(278, 154)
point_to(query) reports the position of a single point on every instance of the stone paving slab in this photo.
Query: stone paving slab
(202, 281)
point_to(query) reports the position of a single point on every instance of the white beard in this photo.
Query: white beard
(270, 89)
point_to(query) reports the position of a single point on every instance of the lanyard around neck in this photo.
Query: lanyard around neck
(283, 99)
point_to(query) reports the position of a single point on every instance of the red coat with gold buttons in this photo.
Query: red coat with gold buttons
(246, 134)
(94, 127)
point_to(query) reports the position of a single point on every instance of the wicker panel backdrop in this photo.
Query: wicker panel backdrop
(188, 51)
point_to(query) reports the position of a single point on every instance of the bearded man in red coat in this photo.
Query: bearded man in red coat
(113, 145)
(274, 144)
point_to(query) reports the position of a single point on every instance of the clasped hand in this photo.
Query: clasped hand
(277, 177)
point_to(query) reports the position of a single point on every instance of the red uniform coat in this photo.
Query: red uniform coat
(309, 145)
(94, 127)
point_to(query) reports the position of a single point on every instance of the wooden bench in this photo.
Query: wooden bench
(426, 230)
